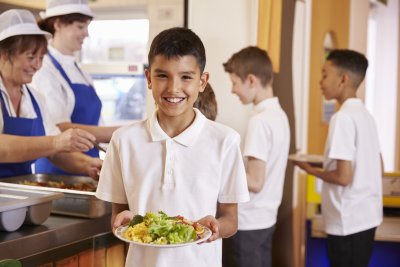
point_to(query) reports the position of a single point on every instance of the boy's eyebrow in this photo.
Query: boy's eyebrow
(182, 72)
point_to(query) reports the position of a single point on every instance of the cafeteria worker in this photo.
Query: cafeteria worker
(69, 91)
(23, 119)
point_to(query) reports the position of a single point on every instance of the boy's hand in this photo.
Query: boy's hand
(122, 218)
(303, 165)
(213, 224)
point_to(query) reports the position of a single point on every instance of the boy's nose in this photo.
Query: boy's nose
(174, 85)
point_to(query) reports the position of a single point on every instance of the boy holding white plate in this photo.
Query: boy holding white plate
(176, 161)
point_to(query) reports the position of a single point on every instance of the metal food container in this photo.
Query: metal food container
(18, 206)
(75, 202)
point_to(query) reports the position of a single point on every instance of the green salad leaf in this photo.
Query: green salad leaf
(136, 220)
(167, 230)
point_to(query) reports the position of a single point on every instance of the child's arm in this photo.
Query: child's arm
(226, 223)
(120, 215)
(255, 172)
(342, 175)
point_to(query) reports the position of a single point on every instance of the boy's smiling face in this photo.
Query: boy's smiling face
(175, 84)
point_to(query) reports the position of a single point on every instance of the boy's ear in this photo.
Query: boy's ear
(204, 80)
(148, 77)
(252, 79)
(345, 79)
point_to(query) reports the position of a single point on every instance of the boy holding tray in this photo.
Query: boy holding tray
(353, 166)
(176, 161)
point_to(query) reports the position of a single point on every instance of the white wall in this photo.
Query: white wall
(381, 84)
(225, 27)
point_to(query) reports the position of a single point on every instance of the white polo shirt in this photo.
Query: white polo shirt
(60, 99)
(353, 137)
(26, 109)
(267, 139)
(186, 175)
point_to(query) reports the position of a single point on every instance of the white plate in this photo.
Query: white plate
(120, 230)
(314, 159)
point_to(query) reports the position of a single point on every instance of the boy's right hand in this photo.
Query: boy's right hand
(122, 218)
(303, 165)
(211, 223)
(74, 140)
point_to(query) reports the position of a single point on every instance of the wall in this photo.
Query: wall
(358, 31)
(382, 76)
(225, 27)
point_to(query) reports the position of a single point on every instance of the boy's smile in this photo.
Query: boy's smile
(175, 84)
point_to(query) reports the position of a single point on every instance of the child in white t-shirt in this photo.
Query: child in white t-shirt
(353, 166)
(266, 150)
(176, 161)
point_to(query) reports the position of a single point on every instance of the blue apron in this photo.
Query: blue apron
(22, 127)
(87, 111)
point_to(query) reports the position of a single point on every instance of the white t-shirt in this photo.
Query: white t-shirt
(60, 99)
(353, 137)
(186, 175)
(267, 139)
(26, 109)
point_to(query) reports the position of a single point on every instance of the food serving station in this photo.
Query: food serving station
(55, 220)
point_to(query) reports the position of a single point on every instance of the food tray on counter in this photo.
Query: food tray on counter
(19, 206)
(76, 202)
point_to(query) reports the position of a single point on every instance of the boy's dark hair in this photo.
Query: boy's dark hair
(207, 103)
(251, 60)
(178, 42)
(351, 61)
(48, 23)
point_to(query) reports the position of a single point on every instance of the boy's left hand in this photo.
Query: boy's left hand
(213, 224)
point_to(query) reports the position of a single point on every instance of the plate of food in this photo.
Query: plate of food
(162, 231)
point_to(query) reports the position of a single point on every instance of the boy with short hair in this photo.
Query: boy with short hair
(353, 166)
(176, 161)
(266, 150)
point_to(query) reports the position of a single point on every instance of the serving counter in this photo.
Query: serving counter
(64, 241)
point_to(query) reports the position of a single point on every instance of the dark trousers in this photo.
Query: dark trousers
(248, 248)
(352, 250)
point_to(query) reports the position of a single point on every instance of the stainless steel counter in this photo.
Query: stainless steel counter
(56, 231)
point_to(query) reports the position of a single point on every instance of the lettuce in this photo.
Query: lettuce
(168, 230)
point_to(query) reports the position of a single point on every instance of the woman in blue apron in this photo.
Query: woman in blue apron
(23, 125)
(73, 101)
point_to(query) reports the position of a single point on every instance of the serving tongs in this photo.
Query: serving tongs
(98, 147)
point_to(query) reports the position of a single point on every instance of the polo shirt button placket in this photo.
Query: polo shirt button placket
(168, 174)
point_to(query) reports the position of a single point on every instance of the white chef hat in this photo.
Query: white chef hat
(65, 7)
(19, 22)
